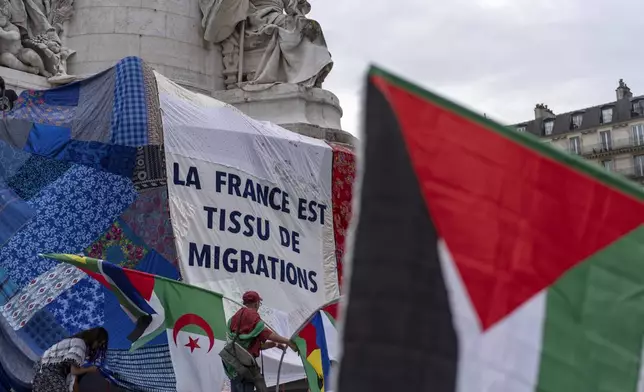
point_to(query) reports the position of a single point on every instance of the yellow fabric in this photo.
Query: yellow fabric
(315, 359)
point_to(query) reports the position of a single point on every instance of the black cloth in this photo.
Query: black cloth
(396, 272)
(7, 99)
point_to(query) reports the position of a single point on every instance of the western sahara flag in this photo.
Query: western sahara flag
(485, 260)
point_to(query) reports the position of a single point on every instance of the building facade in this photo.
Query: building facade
(610, 135)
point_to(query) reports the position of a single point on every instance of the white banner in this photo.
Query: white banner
(250, 205)
(243, 233)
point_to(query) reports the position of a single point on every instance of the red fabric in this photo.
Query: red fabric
(344, 172)
(513, 219)
(248, 322)
(309, 333)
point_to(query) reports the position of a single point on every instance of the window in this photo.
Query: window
(609, 165)
(605, 141)
(638, 135)
(607, 115)
(574, 145)
(521, 129)
(547, 127)
(639, 165)
(576, 120)
(638, 108)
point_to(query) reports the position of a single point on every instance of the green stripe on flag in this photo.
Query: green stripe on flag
(180, 299)
(311, 375)
(584, 348)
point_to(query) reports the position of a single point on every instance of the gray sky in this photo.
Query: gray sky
(500, 57)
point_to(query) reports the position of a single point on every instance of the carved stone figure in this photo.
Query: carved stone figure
(12, 53)
(39, 24)
(279, 44)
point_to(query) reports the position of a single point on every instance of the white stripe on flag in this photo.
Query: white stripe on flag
(331, 337)
(196, 369)
(505, 358)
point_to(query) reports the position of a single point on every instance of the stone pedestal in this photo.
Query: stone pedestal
(19, 81)
(309, 111)
(166, 34)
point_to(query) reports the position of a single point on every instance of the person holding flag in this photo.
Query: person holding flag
(247, 328)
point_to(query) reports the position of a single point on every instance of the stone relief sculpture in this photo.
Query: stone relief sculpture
(12, 53)
(38, 25)
(267, 41)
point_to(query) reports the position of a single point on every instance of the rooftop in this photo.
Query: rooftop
(624, 108)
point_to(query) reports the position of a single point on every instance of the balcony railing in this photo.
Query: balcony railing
(612, 145)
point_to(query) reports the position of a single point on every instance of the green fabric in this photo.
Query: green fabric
(312, 376)
(580, 335)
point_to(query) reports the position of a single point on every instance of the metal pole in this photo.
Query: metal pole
(240, 72)
(279, 369)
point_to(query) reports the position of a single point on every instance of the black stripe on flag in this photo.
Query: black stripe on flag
(398, 330)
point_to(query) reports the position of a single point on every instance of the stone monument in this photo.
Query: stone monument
(275, 60)
(30, 37)
(263, 56)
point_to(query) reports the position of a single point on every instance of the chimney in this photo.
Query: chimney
(623, 91)
(542, 111)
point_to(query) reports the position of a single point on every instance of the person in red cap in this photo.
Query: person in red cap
(253, 335)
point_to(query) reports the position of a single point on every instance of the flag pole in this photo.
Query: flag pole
(279, 370)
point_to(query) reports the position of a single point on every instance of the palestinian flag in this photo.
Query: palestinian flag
(317, 343)
(485, 260)
(192, 317)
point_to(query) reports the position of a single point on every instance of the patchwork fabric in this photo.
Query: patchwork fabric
(41, 291)
(14, 213)
(158, 374)
(111, 158)
(76, 156)
(70, 215)
(344, 170)
(149, 219)
(31, 106)
(42, 332)
(7, 288)
(81, 307)
(11, 160)
(94, 111)
(129, 126)
(66, 95)
(155, 124)
(47, 140)
(119, 245)
(35, 174)
(15, 132)
(150, 170)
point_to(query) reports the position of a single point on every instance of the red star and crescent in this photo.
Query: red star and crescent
(193, 319)
(193, 344)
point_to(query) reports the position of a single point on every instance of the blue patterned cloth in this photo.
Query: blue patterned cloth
(148, 369)
(130, 114)
(35, 175)
(11, 160)
(71, 214)
(42, 332)
(7, 287)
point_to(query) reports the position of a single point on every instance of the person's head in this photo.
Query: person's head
(96, 340)
(251, 299)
